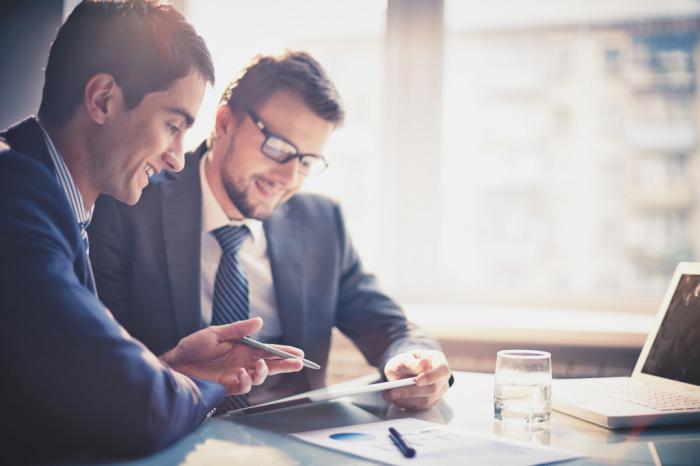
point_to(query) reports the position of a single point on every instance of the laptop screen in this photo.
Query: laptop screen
(675, 353)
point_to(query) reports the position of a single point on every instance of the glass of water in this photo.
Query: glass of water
(523, 389)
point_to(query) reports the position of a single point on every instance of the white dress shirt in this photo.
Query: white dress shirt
(253, 257)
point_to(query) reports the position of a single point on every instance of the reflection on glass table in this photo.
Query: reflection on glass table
(467, 405)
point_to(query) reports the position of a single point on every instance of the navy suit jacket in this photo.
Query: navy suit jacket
(74, 383)
(147, 267)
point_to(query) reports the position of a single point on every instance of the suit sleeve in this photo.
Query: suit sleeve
(72, 378)
(372, 320)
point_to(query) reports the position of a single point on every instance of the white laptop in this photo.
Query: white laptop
(665, 385)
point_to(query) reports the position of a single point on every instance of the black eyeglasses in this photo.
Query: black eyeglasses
(281, 150)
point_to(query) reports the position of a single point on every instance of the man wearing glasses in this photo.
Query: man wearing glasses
(229, 238)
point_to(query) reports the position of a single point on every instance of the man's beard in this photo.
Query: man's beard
(239, 197)
(238, 194)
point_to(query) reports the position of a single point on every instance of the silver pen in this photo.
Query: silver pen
(277, 352)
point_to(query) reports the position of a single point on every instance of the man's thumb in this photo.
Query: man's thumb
(240, 329)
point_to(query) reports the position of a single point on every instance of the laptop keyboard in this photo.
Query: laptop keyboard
(644, 395)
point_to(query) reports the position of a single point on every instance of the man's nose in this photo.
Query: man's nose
(174, 157)
(288, 172)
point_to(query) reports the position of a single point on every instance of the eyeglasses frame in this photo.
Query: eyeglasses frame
(296, 155)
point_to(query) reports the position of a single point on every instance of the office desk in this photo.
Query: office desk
(262, 439)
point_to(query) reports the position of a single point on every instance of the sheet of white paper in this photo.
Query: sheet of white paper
(434, 444)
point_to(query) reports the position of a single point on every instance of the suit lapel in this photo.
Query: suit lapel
(182, 227)
(285, 250)
(28, 138)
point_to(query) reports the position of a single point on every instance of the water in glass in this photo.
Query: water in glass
(523, 386)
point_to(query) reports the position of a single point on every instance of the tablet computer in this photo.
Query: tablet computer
(324, 394)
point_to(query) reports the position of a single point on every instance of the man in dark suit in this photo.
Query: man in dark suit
(158, 265)
(74, 383)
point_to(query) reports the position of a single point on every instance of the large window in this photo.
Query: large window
(570, 147)
(536, 152)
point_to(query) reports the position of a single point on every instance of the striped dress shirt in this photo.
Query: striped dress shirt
(75, 200)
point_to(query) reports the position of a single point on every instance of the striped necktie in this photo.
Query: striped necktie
(230, 302)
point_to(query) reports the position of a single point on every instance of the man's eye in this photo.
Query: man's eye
(306, 162)
(173, 128)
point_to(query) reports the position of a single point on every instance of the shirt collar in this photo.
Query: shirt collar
(213, 215)
(68, 184)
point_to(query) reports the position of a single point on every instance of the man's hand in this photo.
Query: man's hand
(214, 354)
(432, 378)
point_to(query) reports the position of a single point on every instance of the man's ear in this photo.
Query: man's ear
(102, 94)
(226, 122)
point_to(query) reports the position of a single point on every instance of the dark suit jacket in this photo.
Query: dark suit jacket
(146, 260)
(74, 384)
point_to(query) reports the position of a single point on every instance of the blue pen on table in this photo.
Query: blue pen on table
(277, 352)
(401, 444)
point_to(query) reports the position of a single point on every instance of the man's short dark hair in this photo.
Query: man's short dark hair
(144, 44)
(293, 71)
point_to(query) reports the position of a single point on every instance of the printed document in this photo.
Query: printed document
(434, 444)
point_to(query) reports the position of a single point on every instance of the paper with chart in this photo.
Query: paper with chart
(434, 444)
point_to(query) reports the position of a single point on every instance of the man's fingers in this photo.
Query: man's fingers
(260, 372)
(397, 366)
(424, 365)
(408, 365)
(237, 383)
(413, 392)
(279, 366)
(419, 398)
(432, 378)
(238, 330)
(436, 375)
(244, 381)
